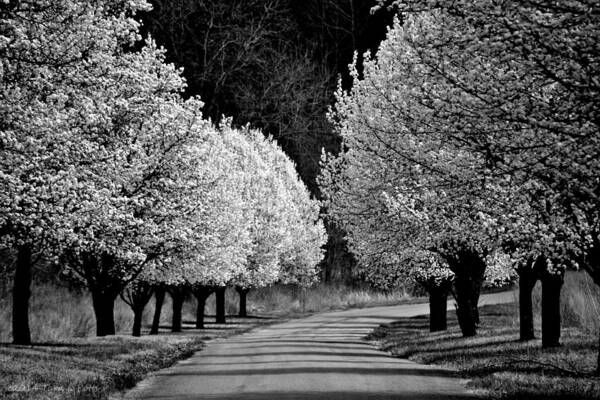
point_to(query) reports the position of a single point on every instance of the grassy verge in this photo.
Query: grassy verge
(92, 368)
(496, 362)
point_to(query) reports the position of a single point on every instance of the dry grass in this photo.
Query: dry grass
(58, 313)
(498, 363)
(580, 305)
(288, 300)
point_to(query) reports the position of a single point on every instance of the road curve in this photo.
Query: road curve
(320, 357)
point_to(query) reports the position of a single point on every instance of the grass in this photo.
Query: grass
(289, 300)
(86, 368)
(497, 363)
(58, 313)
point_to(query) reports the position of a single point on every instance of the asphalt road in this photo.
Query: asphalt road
(317, 358)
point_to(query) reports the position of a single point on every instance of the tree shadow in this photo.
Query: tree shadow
(338, 395)
(49, 344)
(417, 372)
(234, 354)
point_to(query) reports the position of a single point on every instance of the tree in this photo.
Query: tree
(389, 179)
(137, 294)
(218, 223)
(395, 267)
(287, 234)
(431, 273)
(50, 55)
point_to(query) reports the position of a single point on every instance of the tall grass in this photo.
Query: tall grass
(580, 303)
(59, 313)
(322, 297)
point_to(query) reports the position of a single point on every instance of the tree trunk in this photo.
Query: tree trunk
(21, 296)
(438, 300)
(220, 300)
(466, 306)
(104, 304)
(527, 280)
(469, 272)
(243, 292)
(202, 293)
(200, 312)
(178, 297)
(551, 286)
(159, 294)
(137, 295)
(137, 322)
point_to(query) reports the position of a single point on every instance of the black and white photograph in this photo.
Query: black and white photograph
(299, 199)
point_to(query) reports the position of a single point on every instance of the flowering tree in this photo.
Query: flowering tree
(99, 144)
(270, 204)
(287, 234)
(392, 183)
(55, 59)
(145, 137)
(208, 237)
(217, 242)
(428, 270)
(237, 236)
(425, 268)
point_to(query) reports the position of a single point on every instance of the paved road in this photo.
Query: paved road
(317, 358)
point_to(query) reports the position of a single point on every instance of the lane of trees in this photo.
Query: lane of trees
(474, 134)
(107, 170)
(469, 149)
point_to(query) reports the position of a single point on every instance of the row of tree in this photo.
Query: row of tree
(473, 134)
(108, 170)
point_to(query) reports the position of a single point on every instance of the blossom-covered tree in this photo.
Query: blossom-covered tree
(286, 232)
(240, 237)
(55, 63)
(99, 139)
(144, 135)
(217, 220)
(211, 232)
(392, 184)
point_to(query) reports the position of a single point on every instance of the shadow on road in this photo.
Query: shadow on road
(321, 396)
(317, 370)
